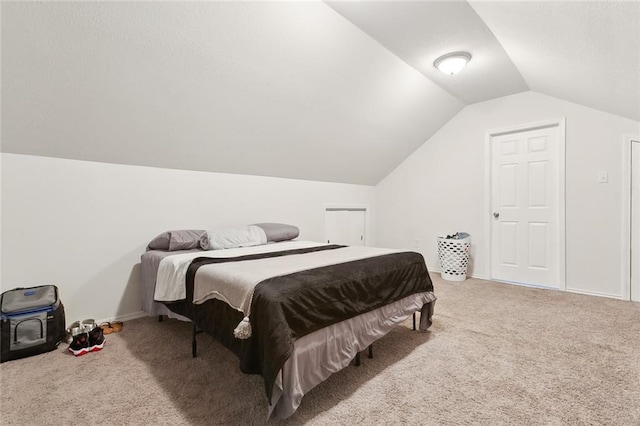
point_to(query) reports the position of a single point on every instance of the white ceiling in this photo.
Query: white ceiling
(419, 32)
(335, 92)
(587, 52)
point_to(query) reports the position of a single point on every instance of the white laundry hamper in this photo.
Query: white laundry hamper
(454, 257)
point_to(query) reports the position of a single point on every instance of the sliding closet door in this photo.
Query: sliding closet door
(345, 226)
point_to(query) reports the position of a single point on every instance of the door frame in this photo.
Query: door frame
(626, 213)
(561, 124)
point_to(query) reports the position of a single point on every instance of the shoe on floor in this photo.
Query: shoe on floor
(96, 339)
(80, 344)
(106, 328)
(87, 337)
(111, 327)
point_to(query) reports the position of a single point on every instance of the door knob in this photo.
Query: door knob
(496, 215)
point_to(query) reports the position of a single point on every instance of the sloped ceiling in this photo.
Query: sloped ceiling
(419, 32)
(264, 88)
(343, 91)
(587, 52)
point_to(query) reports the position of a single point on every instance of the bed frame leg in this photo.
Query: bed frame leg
(160, 318)
(358, 359)
(371, 350)
(414, 321)
(194, 342)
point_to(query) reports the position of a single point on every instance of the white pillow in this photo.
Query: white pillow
(245, 236)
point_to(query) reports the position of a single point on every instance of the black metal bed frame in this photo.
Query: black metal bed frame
(194, 342)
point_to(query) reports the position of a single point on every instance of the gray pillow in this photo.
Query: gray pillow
(183, 239)
(279, 231)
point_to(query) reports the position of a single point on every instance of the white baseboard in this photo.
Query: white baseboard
(543, 287)
(596, 293)
(434, 270)
(125, 317)
(478, 276)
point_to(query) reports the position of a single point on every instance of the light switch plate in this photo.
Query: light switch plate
(603, 177)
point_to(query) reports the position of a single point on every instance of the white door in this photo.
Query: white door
(525, 207)
(635, 221)
(345, 226)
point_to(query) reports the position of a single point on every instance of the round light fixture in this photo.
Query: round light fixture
(452, 63)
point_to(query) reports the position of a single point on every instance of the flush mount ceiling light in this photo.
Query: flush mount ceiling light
(452, 63)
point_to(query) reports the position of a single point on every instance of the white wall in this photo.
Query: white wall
(83, 225)
(440, 188)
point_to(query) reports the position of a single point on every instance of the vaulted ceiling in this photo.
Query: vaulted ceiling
(585, 52)
(337, 91)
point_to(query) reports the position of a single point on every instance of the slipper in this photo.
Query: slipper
(116, 326)
(111, 327)
(106, 328)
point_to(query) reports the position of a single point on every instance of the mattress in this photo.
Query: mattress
(148, 273)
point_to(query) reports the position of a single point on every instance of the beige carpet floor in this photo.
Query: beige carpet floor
(496, 354)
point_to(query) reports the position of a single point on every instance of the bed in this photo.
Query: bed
(311, 307)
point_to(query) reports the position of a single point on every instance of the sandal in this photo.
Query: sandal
(111, 327)
(81, 327)
(106, 328)
(116, 326)
(75, 329)
(88, 325)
